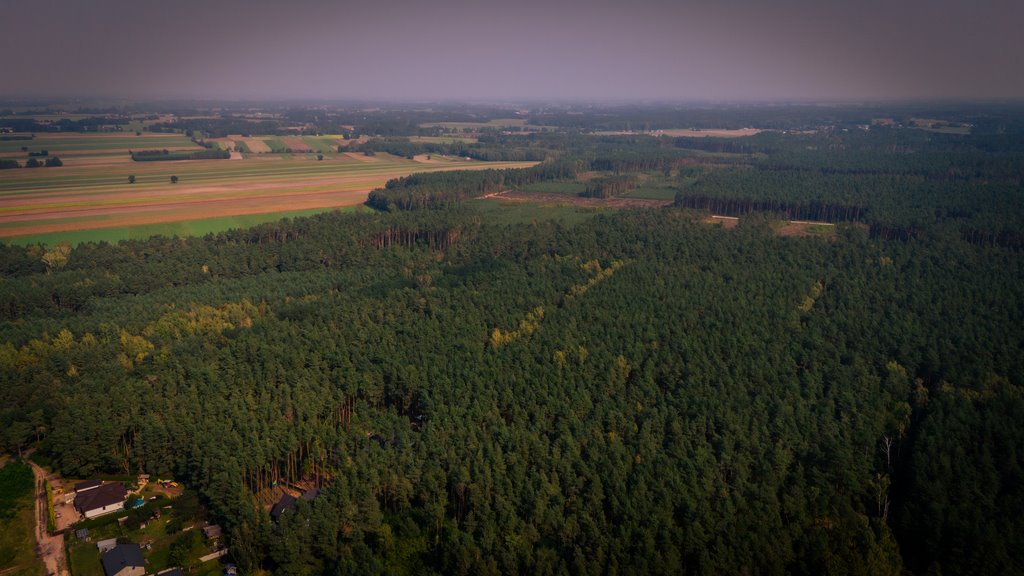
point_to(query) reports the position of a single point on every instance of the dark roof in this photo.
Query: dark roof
(287, 502)
(121, 556)
(105, 495)
(87, 484)
(310, 494)
(82, 533)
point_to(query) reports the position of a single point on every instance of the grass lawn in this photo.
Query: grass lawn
(85, 558)
(17, 522)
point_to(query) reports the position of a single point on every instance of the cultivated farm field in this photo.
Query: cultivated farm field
(93, 191)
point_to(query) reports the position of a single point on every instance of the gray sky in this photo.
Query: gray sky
(538, 49)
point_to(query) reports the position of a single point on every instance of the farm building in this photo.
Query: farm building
(124, 560)
(101, 500)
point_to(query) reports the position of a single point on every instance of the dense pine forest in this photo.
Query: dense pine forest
(574, 391)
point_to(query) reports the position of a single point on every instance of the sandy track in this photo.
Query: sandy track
(51, 548)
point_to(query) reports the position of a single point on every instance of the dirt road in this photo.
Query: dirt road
(50, 548)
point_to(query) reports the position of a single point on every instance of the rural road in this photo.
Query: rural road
(50, 548)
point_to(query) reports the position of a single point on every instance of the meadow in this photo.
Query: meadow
(17, 543)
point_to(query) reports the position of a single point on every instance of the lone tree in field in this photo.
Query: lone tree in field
(319, 156)
(131, 179)
(174, 179)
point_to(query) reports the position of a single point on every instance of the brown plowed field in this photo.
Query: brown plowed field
(83, 197)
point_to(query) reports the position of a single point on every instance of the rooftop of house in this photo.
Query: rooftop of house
(105, 495)
(122, 556)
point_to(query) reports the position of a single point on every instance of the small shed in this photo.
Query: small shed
(106, 545)
(212, 531)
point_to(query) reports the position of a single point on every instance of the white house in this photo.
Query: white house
(101, 500)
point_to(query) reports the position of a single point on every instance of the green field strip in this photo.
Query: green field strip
(247, 170)
(104, 184)
(97, 144)
(322, 143)
(228, 172)
(274, 143)
(195, 227)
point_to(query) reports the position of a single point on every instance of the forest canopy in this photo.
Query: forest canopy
(629, 391)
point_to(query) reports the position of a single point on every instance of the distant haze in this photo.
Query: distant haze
(505, 50)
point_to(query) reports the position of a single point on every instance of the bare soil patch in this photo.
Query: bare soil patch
(803, 228)
(727, 222)
(297, 145)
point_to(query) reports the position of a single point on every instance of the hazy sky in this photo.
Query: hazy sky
(489, 49)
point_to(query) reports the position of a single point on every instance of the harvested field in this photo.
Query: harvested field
(255, 145)
(87, 197)
(297, 145)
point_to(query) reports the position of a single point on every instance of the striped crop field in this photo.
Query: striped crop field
(93, 192)
(64, 143)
